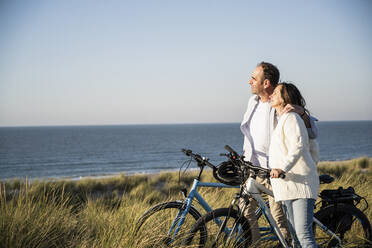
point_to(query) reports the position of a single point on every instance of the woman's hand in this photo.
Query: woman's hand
(276, 172)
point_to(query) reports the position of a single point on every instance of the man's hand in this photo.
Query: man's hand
(292, 107)
(276, 172)
(299, 110)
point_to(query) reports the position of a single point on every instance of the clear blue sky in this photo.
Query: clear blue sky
(126, 62)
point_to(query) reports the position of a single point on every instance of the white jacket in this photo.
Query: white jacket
(290, 151)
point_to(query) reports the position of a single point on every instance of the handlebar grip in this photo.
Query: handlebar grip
(229, 149)
(187, 152)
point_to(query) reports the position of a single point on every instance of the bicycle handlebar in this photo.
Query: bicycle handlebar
(250, 165)
(199, 159)
(204, 161)
(229, 149)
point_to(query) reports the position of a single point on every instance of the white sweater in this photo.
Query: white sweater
(290, 151)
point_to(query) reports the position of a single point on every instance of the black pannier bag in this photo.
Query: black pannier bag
(340, 195)
(337, 221)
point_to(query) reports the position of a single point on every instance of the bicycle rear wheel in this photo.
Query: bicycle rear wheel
(235, 234)
(347, 222)
(153, 227)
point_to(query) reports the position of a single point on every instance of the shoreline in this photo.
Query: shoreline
(149, 173)
(93, 177)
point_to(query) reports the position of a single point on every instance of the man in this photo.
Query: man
(257, 126)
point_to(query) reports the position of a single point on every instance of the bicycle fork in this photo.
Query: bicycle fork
(181, 215)
(178, 221)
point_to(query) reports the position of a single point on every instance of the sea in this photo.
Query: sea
(75, 152)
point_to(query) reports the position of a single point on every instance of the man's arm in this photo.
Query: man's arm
(309, 121)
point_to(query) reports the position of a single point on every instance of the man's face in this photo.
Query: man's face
(257, 81)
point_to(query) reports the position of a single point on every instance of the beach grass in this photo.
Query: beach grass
(102, 212)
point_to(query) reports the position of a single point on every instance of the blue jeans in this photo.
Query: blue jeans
(300, 214)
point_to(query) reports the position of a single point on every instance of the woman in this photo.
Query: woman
(289, 154)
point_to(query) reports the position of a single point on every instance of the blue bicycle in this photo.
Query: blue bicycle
(161, 224)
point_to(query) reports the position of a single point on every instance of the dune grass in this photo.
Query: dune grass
(102, 212)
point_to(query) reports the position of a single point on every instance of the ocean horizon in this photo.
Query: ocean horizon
(52, 152)
(152, 124)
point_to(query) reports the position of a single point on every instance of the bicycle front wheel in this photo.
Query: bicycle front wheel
(347, 222)
(236, 231)
(156, 227)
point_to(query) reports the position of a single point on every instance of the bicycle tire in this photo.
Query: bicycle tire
(208, 221)
(153, 225)
(347, 222)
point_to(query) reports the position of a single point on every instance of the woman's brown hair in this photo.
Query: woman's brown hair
(291, 95)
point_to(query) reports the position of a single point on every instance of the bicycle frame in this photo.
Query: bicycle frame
(180, 218)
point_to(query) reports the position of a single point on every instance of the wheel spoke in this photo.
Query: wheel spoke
(236, 233)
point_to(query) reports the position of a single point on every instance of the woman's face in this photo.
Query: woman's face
(276, 99)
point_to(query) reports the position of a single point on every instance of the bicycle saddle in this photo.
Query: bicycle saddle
(325, 179)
